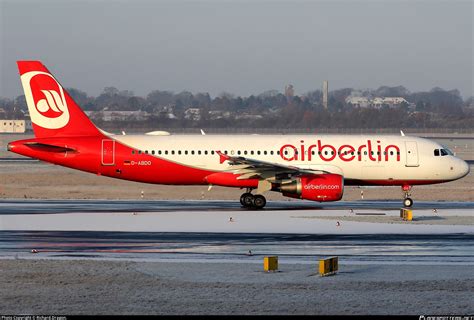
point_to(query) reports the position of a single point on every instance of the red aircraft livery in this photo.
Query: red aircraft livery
(315, 171)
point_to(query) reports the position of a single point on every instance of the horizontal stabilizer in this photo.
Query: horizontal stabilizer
(49, 147)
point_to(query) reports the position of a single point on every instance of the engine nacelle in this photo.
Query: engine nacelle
(315, 187)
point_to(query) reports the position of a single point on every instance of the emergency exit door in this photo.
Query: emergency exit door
(108, 152)
(411, 154)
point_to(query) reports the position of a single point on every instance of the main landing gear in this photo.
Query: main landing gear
(248, 200)
(407, 201)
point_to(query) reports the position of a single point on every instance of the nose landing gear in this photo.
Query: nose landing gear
(407, 201)
(248, 200)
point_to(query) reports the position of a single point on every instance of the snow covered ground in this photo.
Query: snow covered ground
(361, 221)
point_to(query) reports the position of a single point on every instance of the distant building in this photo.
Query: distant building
(394, 101)
(219, 114)
(360, 102)
(12, 126)
(166, 112)
(118, 115)
(376, 102)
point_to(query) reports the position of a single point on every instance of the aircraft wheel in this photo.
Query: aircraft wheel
(259, 201)
(247, 200)
(407, 202)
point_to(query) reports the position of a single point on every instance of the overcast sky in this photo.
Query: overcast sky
(242, 47)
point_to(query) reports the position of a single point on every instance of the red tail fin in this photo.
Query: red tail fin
(52, 110)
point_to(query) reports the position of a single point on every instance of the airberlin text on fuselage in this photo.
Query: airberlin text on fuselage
(345, 152)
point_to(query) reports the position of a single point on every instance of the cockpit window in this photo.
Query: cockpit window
(449, 152)
(443, 152)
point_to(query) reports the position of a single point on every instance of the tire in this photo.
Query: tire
(407, 202)
(242, 198)
(247, 200)
(259, 201)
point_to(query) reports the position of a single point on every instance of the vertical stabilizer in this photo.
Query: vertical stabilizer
(52, 110)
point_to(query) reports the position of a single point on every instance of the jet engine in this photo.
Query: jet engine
(315, 187)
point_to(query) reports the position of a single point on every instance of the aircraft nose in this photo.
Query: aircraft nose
(462, 168)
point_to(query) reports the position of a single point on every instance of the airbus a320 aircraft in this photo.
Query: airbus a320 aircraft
(311, 167)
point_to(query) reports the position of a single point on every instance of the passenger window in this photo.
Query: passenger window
(199, 152)
(391, 153)
(436, 152)
(146, 151)
(133, 151)
(212, 151)
(264, 152)
(238, 152)
(271, 152)
(205, 151)
(152, 151)
(258, 152)
(185, 151)
(172, 151)
(251, 152)
(278, 152)
(179, 151)
(159, 151)
(139, 152)
(166, 151)
(192, 151)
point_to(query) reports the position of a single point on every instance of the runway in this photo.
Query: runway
(218, 247)
(28, 206)
(298, 232)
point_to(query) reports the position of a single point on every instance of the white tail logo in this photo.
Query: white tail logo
(55, 101)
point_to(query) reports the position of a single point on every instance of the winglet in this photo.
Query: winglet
(401, 132)
(222, 157)
(202, 132)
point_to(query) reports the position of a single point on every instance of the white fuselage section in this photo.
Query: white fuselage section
(363, 159)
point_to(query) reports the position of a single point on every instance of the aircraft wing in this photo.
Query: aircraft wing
(267, 172)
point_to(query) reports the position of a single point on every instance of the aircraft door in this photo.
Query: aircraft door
(411, 154)
(108, 152)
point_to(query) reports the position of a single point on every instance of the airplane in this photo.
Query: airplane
(310, 167)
